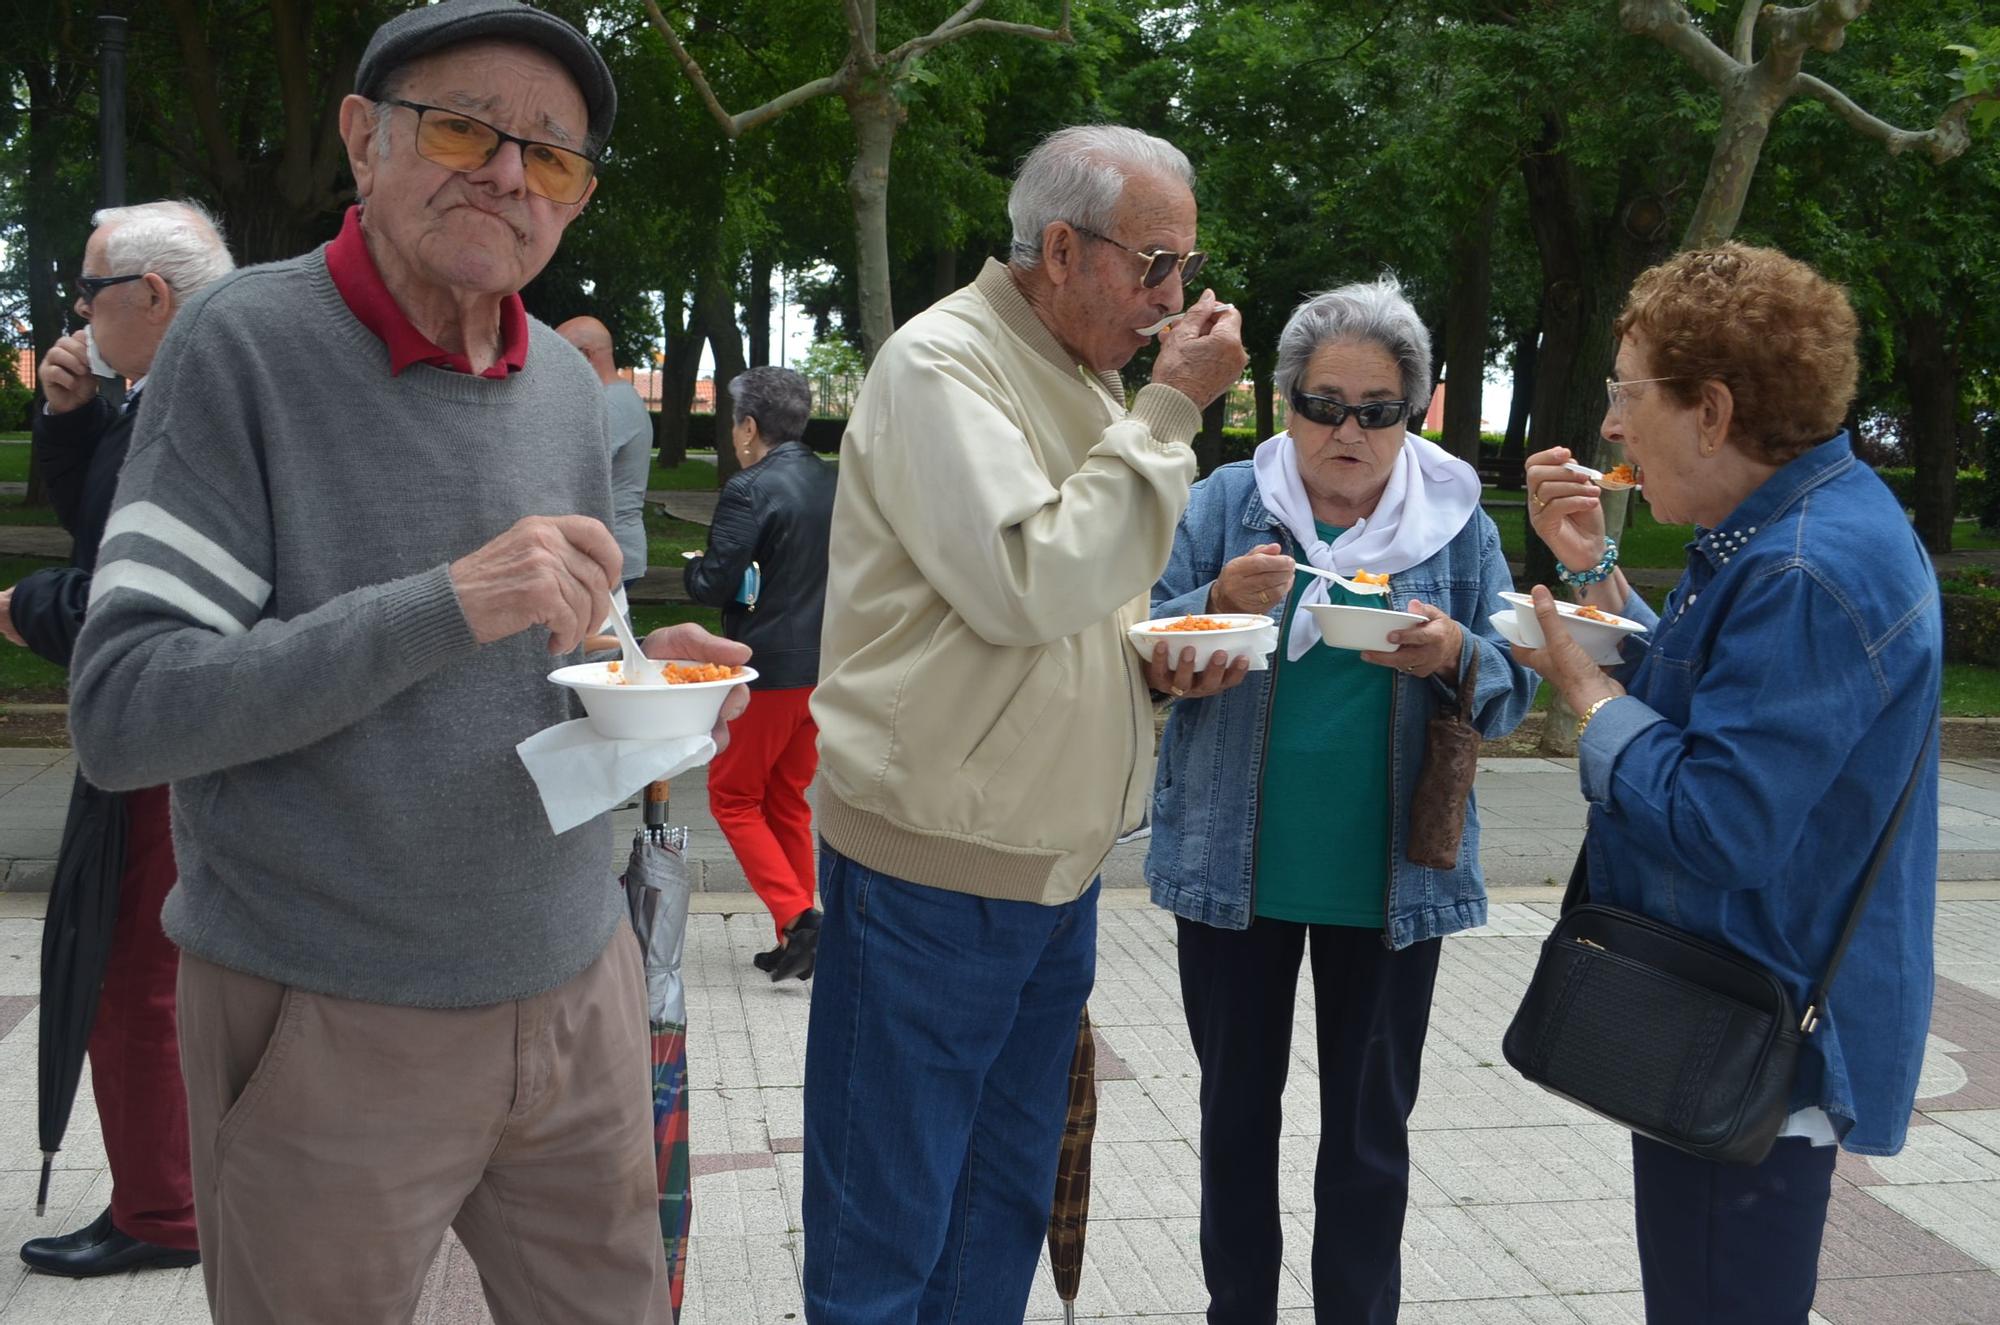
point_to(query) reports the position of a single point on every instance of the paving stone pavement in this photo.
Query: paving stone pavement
(1520, 1204)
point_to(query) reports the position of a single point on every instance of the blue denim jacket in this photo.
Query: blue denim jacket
(1201, 863)
(1775, 711)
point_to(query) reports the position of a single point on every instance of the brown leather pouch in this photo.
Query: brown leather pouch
(1451, 758)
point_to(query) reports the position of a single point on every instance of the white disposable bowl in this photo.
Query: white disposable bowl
(1239, 641)
(647, 712)
(1600, 639)
(1348, 627)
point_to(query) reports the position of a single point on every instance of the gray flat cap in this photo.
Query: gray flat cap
(450, 22)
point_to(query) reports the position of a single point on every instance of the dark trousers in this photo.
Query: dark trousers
(1373, 1007)
(135, 1062)
(1730, 1244)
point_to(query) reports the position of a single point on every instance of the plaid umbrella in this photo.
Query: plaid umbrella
(657, 888)
(1070, 1215)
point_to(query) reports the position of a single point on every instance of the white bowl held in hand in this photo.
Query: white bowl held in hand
(1347, 627)
(1240, 638)
(661, 712)
(1600, 639)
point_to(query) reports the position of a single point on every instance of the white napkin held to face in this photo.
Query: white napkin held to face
(1430, 495)
(581, 774)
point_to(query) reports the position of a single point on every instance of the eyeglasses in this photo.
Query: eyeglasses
(1615, 393)
(1369, 414)
(1160, 262)
(458, 141)
(89, 287)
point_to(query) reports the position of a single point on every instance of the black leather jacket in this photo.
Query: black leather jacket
(779, 514)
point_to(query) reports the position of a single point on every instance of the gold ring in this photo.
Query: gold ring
(1177, 692)
(1541, 504)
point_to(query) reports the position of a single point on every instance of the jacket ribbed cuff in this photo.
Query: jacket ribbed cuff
(1170, 416)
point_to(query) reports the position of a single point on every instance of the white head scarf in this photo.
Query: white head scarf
(1430, 495)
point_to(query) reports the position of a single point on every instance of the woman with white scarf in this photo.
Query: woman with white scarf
(1281, 815)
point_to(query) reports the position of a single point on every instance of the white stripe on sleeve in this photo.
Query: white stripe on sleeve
(169, 589)
(155, 522)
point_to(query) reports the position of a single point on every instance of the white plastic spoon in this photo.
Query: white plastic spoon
(637, 668)
(1604, 481)
(1161, 325)
(1352, 586)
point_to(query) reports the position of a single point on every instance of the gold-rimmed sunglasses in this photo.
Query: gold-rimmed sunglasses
(1160, 262)
(461, 142)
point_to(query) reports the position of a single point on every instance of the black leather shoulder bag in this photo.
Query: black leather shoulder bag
(1678, 1038)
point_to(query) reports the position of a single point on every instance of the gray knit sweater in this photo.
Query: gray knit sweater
(273, 630)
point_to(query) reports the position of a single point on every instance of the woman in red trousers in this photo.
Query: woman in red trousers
(765, 567)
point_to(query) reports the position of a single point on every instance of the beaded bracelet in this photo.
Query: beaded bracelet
(1596, 574)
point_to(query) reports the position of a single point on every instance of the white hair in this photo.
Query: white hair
(176, 240)
(1375, 312)
(1077, 175)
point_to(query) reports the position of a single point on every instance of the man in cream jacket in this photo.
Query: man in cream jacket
(986, 732)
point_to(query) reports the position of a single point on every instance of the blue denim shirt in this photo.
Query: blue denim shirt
(1775, 712)
(1201, 862)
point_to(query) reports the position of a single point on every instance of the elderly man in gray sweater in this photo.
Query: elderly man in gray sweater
(364, 508)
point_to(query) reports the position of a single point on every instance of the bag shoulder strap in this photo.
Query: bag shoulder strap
(1816, 1000)
(1578, 892)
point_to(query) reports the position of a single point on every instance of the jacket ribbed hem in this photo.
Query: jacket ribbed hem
(936, 860)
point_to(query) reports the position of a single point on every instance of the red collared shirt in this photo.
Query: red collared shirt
(361, 285)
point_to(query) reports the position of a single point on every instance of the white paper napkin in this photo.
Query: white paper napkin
(1261, 645)
(581, 774)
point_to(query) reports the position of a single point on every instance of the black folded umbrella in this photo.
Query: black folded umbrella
(76, 943)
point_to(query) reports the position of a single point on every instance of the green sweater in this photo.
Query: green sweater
(273, 630)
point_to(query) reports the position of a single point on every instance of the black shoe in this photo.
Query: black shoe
(764, 961)
(795, 959)
(101, 1249)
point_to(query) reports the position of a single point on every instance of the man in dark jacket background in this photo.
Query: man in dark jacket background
(141, 266)
(775, 515)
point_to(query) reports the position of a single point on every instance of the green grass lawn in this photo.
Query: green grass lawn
(1647, 543)
(689, 476)
(24, 677)
(13, 461)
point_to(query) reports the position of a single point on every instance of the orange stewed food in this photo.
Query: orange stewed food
(681, 673)
(1592, 614)
(1368, 577)
(1198, 623)
(1621, 474)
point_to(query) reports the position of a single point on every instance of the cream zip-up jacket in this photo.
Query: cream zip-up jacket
(999, 522)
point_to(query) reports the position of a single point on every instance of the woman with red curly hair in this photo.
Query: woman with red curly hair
(1745, 760)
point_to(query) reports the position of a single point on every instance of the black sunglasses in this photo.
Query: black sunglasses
(89, 287)
(1369, 414)
(1160, 262)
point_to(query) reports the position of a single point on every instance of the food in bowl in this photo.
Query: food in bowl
(1342, 626)
(642, 712)
(677, 674)
(1600, 633)
(1233, 634)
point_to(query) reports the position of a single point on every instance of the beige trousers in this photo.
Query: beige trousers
(335, 1141)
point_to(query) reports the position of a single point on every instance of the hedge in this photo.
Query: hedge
(1971, 629)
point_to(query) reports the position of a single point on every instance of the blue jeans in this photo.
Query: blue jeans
(937, 1063)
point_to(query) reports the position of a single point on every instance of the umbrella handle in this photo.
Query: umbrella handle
(42, 1192)
(655, 811)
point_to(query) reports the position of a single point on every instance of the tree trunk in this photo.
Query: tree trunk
(1514, 449)
(1748, 106)
(1263, 383)
(873, 110)
(1930, 368)
(45, 295)
(1465, 326)
(944, 273)
(679, 363)
(1208, 442)
(1554, 217)
(757, 310)
(716, 309)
